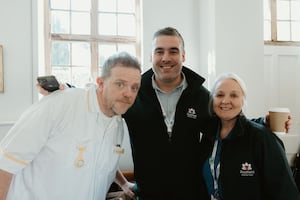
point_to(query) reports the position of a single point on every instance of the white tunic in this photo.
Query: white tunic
(63, 148)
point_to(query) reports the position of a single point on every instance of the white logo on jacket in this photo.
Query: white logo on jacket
(246, 170)
(191, 113)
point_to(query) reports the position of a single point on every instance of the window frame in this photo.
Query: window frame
(274, 41)
(93, 39)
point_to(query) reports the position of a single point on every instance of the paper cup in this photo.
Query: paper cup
(278, 117)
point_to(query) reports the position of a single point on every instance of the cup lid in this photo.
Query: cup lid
(279, 109)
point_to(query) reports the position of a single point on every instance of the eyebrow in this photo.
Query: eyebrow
(161, 48)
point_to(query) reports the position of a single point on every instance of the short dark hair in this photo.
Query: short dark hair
(122, 59)
(169, 31)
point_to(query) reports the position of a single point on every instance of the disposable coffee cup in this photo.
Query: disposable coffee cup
(278, 117)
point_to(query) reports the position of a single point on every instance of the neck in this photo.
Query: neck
(101, 104)
(168, 87)
(227, 126)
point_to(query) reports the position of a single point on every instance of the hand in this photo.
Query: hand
(128, 189)
(288, 123)
(45, 92)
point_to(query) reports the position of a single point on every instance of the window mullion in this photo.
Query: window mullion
(47, 40)
(94, 42)
(138, 28)
(273, 20)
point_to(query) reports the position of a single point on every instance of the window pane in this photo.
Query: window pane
(127, 6)
(283, 31)
(130, 48)
(60, 4)
(77, 76)
(267, 10)
(81, 23)
(60, 53)
(295, 7)
(283, 10)
(62, 73)
(82, 5)
(72, 22)
(80, 76)
(126, 25)
(60, 22)
(107, 24)
(107, 5)
(106, 50)
(296, 31)
(81, 54)
(267, 30)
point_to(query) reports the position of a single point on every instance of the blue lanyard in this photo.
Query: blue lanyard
(215, 171)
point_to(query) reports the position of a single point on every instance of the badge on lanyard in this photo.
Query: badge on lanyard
(118, 149)
(215, 196)
(212, 197)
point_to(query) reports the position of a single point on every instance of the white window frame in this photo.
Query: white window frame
(94, 39)
(274, 41)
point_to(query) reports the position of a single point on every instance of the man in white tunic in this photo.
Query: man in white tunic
(67, 145)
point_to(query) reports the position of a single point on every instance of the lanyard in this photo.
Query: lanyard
(170, 116)
(215, 171)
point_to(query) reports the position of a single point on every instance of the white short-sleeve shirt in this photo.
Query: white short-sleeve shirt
(63, 148)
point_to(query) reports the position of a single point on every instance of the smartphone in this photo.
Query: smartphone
(49, 83)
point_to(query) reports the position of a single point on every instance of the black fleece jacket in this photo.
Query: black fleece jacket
(251, 145)
(168, 168)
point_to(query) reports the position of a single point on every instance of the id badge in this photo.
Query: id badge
(119, 150)
(215, 197)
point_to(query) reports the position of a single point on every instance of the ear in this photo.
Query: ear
(183, 56)
(100, 82)
(150, 57)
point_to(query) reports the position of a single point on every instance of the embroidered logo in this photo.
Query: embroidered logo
(191, 113)
(247, 170)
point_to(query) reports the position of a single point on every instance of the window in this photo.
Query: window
(81, 34)
(282, 21)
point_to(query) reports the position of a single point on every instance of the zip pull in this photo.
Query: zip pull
(170, 136)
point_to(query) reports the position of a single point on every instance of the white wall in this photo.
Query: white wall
(183, 15)
(219, 36)
(16, 38)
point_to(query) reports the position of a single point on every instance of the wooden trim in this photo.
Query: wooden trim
(129, 175)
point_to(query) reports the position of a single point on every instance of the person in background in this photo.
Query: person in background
(244, 160)
(67, 145)
(166, 124)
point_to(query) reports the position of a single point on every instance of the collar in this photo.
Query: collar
(193, 79)
(239, 128)
(92, 101)
(181, 86)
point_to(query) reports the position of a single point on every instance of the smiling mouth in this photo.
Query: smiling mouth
(166, 68)
(225, 108)
(166, 65)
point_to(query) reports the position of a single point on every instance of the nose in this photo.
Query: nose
(165, 57)
(127, 92)
(224, 100)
